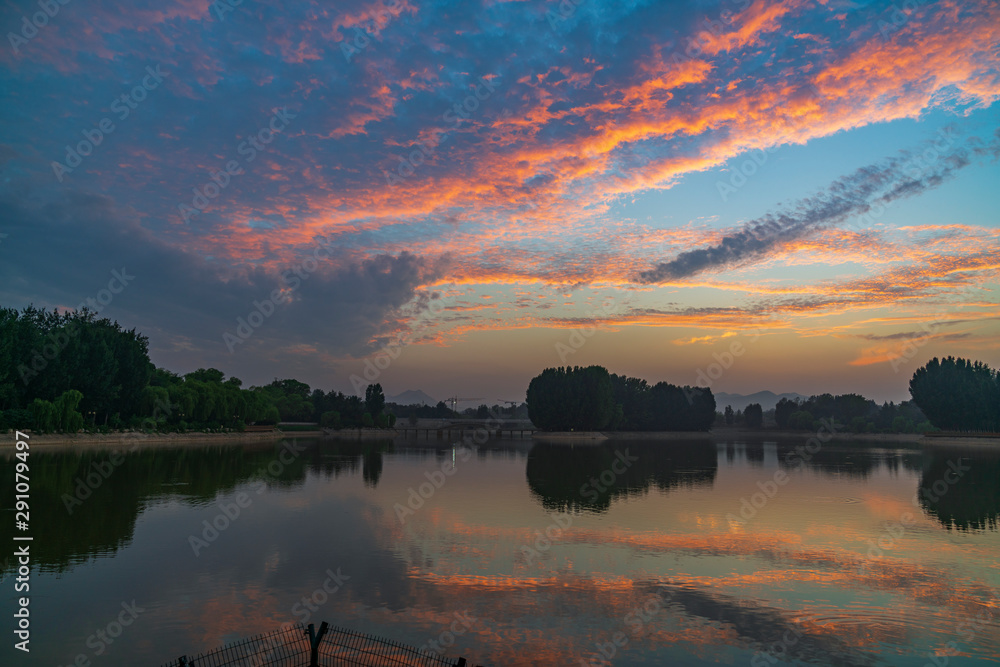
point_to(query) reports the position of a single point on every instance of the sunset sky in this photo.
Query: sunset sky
(814, 182)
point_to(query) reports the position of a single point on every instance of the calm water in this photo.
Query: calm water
(656, 544)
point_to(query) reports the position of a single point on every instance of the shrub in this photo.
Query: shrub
(800, 420)
(16, 418)
(43, 416)
(902, 425)
(330, 419)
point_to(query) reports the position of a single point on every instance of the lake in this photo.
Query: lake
(516, 552)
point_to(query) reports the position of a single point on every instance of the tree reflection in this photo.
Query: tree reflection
(576, 478)
(85, 503)
(961, 488)
(852, 460)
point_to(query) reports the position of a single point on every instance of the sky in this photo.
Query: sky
(789, 195)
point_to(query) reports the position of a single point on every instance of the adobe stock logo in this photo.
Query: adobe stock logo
(261, 311)
(219, 179)
(435, 480)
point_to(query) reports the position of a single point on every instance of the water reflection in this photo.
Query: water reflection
(768, 626)
(801, 569)
(961, 488)
(589, 477)
(85, 503)
(859, 461)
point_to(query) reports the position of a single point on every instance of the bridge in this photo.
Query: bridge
(454, 430)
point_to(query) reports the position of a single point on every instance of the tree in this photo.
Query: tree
(374, 399)
(801, 420)
(730, 415)
(753, 415)
(271, 416)
(958, 394)
(632, 403)
(330, 419)
(151, 400)
(783, 410)
(65, 414)
(577, 399)
(568, 399)
(206, 375)
(673, 408)
(43, 415)
(44, 354)
(320, 404)
(902, 425)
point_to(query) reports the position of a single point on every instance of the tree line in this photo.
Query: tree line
(73, 371)
(852, 412)
(591, 399)
(949, 394)
(752, 416)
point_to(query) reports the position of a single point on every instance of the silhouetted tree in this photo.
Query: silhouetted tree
(801, 420)
(754, 415)
(958, 394)
(566, 399)
(577, 399)
(783, 410)
(374, 400)
(632, 403)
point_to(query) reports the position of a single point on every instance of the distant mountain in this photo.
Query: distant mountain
(767, 399)
(410, 397)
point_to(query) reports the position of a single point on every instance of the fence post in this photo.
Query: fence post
(314, 641)
(461, 662)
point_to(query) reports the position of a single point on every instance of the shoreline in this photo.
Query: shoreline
(361, 434)
(9, 440)
(757, 435)
(882, 438)
(134, 439)
(131, 439)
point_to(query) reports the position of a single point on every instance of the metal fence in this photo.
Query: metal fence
(298, 646)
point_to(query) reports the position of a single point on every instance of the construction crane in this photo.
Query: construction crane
(455, 400)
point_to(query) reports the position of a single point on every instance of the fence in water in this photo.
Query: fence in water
(298, 646)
